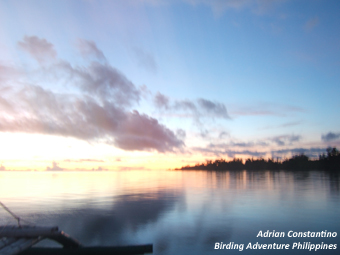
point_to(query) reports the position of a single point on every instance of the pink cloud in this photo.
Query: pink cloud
(89, 48)
(98, 111)
(40, 49)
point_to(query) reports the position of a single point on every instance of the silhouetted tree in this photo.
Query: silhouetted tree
(330, 162)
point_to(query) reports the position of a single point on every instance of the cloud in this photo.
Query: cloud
(89, 48)
(264, 108)
(99, 168)
(54, 167)
(141, 132)
(248, 148)
(223, 134)
(103, 81)
(161, 101)
(145, 59)
(219, 152)
(200, 108)
(288, 124)
(186, 105)
(277, 140)
(220, 6)
(230, 144)
(145, 93)
(216, 109)
(7, 73)
(40, 49)
(129, 168)
(98, 110)
(285, 139)
(83, 160)
(311, 152)
(330, 137)
(180, 133)
(310, 24)
(42, 111)
(2, 168)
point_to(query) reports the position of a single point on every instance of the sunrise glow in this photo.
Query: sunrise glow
(155, 85)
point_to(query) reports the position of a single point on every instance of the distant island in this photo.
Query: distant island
(328, 162)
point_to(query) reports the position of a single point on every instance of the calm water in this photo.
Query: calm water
(179, 212)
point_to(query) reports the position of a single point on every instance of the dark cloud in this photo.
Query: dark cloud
(103, 81)
(55, 167)
(161, 101)
(98, 110)
(40, 49)
(186, 105)
(217, 109)
(144, 92)
(201, 108)
(89, 48)
(279, 142)
(145, 59)
(151, 135)
(330, 137)
(285, 139)
(42, 111)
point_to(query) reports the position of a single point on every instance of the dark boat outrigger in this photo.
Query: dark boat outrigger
(20, 239)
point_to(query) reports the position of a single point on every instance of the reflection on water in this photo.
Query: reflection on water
(180, 212)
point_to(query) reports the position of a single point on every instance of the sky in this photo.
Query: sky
(155, 84)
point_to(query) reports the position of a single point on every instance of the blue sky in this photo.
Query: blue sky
(151, 84)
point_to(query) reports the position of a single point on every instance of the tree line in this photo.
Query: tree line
(329, 162)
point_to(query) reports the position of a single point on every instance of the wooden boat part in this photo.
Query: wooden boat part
(122, 250)
(19, 245)
(6, 241)
(19, 239)
(43, 232)
(27, 231)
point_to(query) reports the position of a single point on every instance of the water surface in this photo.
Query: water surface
(179, 212)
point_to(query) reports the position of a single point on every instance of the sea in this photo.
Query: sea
(182, 212)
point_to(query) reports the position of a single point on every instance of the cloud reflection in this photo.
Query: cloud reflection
(117, 224)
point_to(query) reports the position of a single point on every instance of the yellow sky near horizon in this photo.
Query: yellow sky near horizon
(37, 152)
